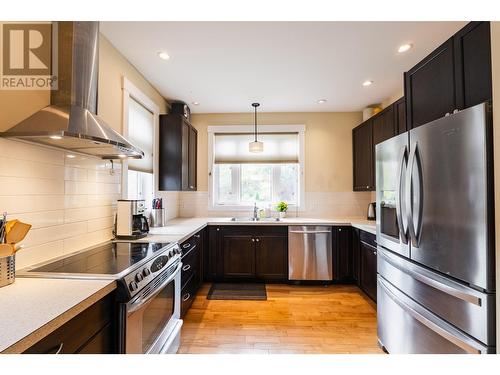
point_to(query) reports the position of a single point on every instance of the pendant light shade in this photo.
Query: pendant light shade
(255, 146)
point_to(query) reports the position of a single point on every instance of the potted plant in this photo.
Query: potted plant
(282, 207)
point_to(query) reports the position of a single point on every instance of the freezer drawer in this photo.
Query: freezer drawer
(310, 253)
(405, 327)
(467, 309)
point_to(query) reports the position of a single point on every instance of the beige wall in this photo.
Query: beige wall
(495, 57)
(112, 67)
(328, 144)
(15, 106)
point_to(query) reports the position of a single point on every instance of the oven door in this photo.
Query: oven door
(150, 323)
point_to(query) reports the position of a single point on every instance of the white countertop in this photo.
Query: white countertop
(180, 229)
(32, 308)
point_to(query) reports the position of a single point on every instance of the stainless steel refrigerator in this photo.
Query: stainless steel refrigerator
(435, 237)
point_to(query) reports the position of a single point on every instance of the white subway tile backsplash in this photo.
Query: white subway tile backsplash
(70, 202)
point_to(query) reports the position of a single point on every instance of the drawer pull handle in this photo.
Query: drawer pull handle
(196, 236)
(253, 239)
(59, 350)
(186, 297)
(186, 267)
(186, 245)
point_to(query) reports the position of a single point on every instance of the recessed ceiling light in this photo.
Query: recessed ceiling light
(70, 156)
(321, 101)
(367, 83)
(195, 103)
(405, 47)
(55, 137)
(163, 55)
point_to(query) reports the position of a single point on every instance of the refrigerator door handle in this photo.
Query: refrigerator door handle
(400, 216)
(427, 322)
(441, 285)
(414, 195)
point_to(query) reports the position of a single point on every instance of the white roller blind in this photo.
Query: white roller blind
(278, 148)
(140, 134)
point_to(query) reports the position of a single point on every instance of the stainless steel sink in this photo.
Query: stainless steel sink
(270, 219)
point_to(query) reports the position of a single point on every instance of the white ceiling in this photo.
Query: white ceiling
(286, 66)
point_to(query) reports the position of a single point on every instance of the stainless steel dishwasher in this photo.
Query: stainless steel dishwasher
(310, 253)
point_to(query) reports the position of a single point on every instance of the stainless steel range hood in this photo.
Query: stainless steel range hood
(70, 121)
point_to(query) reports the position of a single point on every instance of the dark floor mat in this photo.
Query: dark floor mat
(240, 291)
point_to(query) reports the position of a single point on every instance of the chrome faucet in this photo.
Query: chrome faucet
(255, 212)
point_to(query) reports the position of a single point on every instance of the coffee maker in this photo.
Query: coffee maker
(131, 222)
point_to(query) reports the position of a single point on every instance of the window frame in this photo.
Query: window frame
(212, 191)
(131, 91)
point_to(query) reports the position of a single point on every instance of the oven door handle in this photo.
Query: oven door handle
(137, 304)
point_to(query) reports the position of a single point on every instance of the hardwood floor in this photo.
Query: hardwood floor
(294, 319)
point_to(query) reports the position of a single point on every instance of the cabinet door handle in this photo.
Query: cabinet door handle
(253, 239)
(59, 350)
(257, 240)
(186, 297)
(374, 253)
(196, 236)
(186, 267)
(191, 187)
(218, 229)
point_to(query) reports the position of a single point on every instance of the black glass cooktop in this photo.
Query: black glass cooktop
(109, 259)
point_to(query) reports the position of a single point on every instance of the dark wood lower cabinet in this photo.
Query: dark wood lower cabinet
(192, 268)
(238, 256)
(355, 254)
(368, 268)
(247, 253)
(342, 254)
(91, 332)
(271, 257)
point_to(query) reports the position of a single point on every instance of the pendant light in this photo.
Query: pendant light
(255, 146)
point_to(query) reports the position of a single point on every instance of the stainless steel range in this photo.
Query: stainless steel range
(148, 295)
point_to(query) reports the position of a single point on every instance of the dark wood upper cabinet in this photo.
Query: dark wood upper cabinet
(455, 76)
(430, 87)
(177, 156)
(363, 157)
(383, 125)
(473, 64)
(342, 254)
(400, 116)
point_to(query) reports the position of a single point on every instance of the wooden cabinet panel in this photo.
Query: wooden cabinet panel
(210, 253)
(383, 125)
(177, 154)
(238, 256)
(430, 86)
(89, 332)
(457, 75)
(342, 254)
(400, 116)
(271, 257)
(355, 254)
(192, 170)
(368, 274)
(473, 64)
(185, 156)
(363, 157)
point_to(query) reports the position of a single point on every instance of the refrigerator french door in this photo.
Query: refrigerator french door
(435, 236)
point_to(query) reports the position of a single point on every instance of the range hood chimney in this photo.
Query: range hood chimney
(70, 121)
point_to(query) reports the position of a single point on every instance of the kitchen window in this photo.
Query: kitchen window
(238, 178)
(141, 116)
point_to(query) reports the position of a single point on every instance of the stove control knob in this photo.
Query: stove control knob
(139, 277)
(170, 253)
(146, 272)
(132, 286)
